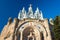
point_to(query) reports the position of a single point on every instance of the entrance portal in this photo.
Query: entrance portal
(28, 34)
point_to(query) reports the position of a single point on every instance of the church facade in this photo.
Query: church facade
(28, 26)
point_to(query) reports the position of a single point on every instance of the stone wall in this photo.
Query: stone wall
(15, 29)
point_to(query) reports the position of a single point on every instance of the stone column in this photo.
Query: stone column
(21, 36)
(48, 29)
(44, 35)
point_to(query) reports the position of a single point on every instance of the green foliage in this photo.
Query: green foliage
(57, 28)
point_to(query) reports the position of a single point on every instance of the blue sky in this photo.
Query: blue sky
(10, 8)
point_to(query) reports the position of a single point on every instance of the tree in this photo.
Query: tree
(57, 28)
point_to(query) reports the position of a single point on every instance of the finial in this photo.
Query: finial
(30, 5)
(37, 9)
(30, 8)
(23, 9)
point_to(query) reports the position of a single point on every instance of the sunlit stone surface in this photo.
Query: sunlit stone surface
(28, 26)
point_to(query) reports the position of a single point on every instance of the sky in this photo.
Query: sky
(11, 8)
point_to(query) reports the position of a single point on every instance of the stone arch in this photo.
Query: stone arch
(36, 28)
(26, 33)
(28, 22)
(35, 32)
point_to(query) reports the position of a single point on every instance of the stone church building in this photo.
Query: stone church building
(28, 26)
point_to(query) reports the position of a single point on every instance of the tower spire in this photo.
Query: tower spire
(19, 15)
(30, 8)
(37, 15)
(30, 12)
(37, 9)
(41, 15)
(24, 13)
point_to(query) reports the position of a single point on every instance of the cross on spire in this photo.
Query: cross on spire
(30, 5)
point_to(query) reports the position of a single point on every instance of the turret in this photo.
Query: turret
(30, 12)
(37, 14)
(23, 13)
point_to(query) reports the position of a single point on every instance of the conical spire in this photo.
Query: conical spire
(30, 8)
(37, 13)
(30, 12)
(37, 9)
(41, 15)
(23, 9)
(19, 15)
(24, 13)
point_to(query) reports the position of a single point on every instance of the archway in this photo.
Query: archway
(29, 34)
(36, 31)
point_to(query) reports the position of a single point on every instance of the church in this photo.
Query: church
(28, 26)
